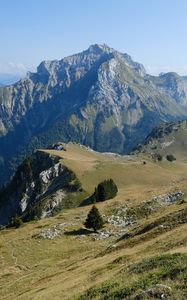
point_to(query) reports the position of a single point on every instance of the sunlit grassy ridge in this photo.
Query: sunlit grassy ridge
(129, 172)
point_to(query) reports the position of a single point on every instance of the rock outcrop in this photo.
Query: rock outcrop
(38, 189)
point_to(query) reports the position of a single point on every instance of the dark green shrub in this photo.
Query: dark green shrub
(105, 190)
(16, 222)
(34, 213)
(170, 157)
(75, 185)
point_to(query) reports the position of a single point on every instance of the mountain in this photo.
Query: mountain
(139, 254)
(100, 98)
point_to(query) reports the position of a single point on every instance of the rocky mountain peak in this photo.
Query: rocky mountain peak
(126, 58)
(100, 48)
(45, 67)
(79, 62)
(100, 97)
(97, 53)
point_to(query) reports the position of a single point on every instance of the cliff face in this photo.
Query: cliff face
(100, 98)
(39, 187)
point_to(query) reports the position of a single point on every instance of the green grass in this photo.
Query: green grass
(169, 269)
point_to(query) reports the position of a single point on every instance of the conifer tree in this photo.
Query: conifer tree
(94, 219)
(105, 190)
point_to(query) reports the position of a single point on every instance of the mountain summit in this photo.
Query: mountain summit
(99, 97)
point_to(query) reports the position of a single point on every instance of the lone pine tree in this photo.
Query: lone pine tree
(94, 219)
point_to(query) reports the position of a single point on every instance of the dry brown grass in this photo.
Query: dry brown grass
(61, 268)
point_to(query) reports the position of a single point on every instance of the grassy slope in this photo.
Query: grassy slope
(171, 143)
(69, 265)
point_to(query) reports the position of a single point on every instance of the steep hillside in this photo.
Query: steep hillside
(40, 187)
(100, 98)
(139, 254)
(168, 138)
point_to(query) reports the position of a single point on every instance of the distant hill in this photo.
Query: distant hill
(7, 79)
(99, 97)
(168, 138)
(173, 85)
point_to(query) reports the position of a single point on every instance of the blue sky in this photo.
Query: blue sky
(153, 32)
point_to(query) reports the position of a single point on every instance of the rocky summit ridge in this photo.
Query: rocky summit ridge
(99, 97)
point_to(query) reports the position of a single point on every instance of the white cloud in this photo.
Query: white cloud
(14, 68)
